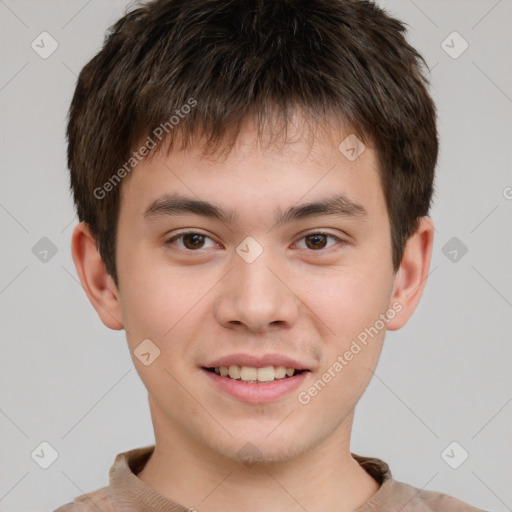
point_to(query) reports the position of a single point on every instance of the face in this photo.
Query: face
(253, 286)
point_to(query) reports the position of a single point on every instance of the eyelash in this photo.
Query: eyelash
(171, 240)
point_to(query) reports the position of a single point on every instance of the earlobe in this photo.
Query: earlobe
(411, 278)
(96, 282)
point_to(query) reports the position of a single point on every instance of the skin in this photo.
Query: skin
(295, 299)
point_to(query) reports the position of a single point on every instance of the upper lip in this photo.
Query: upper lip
(259, 361)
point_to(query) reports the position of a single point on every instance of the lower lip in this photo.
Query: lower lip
(262, 393)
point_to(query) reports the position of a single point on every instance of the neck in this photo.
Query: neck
(325, 477)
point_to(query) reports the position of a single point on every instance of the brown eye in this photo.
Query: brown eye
(316, 241)
(193, 240)
(319, 241)
(190, 241)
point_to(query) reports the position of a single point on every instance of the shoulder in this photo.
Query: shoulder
(394, 495)
(90, 502)
(418, 500)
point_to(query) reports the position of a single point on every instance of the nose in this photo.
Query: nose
(257, 296)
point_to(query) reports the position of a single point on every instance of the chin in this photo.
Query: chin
(254, 445)
(250, 453)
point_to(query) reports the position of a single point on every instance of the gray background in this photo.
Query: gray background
(69, 381)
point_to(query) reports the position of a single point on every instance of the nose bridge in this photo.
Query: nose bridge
(255, 293)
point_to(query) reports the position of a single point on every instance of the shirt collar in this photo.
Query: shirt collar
(131, 494)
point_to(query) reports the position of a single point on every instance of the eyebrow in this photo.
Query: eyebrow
(176, 205)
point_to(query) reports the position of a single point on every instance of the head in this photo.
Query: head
(257, 108)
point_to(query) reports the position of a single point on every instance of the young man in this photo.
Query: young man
(253, 180)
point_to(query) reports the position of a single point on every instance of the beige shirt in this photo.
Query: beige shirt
(127, 493)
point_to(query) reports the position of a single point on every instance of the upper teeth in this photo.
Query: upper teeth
(247, 373)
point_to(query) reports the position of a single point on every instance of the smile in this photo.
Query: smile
(253, 374)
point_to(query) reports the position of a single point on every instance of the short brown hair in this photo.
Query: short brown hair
(252, 58)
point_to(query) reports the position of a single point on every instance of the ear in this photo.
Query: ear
(96, 282)
(411, 277)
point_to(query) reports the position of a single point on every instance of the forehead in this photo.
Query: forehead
(260, 168)
(287, 136)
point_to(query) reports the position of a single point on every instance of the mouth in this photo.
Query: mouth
(256, 379)
(255, 375)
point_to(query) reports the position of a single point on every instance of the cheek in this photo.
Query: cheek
(347, 300)
(163, 303)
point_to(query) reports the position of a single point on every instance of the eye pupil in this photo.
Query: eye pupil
(317, 238)
(195, 240)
